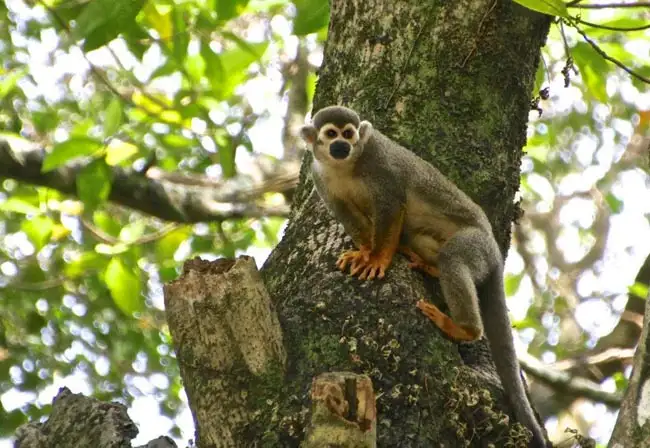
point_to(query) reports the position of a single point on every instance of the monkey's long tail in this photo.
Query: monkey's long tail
(498, 331)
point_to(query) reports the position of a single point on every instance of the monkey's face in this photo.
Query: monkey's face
(333, 144)
(338, 142)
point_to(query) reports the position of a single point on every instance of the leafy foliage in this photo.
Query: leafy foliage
(119, 83)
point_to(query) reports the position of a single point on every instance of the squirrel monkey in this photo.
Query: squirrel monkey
(389, 200)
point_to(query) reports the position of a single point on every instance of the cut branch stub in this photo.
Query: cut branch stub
(228, 342)
(343, 411)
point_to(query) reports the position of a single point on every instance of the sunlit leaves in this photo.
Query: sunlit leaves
(167, 246)
(70, 149)
(311, 16)
(550, 7)
(227, 9)
(227, 70)
(9, 81)
(160, 18)
(180, 38)
(592, 68)
(113, 118)
(39, 230)
(640, 290)
(124, 285)
(118, 152)
(103, 20)
(195, 67)
(21, 205)
(94, 183)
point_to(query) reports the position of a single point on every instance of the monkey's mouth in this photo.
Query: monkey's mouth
(340, 150)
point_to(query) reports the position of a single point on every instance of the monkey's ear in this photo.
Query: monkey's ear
(309, 134)
(365, 131)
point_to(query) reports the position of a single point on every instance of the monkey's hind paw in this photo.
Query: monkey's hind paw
(364, 263)
(446, 324)
(417, 262)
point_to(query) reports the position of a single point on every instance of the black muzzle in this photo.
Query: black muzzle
(340, 149)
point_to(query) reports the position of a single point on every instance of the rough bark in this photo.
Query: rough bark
(79, 422)
(633, 423)
(452, 81)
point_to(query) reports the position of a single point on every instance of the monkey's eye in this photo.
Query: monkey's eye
(331, 133)
(348, 133)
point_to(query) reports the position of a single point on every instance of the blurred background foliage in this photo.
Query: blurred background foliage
(204, 96)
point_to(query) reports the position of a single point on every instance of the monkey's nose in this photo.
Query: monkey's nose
(340, 150)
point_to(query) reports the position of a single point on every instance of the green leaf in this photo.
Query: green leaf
(25, 205)
(10, 81)
(195, 67)
(124, 286)
(593, 70)
(39, 230)
(614, 203)
(94, 183)
(311, 16)
(113, 118)
(167, 246)
(103, 20)
(227, 9)
(227, 70)
(181, 39)
(118, 151)
(68, 150)
(226, 153)
(133, 231)
(512, 282)
(550, 7)
(86, 263)
(158, 15)
(639, 289)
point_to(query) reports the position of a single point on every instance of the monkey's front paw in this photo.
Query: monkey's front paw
(364, 263)
(353, 258)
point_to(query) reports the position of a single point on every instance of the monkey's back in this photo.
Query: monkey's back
(429, 194)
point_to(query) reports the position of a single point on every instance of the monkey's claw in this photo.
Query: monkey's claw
(364, 263)
(353, 258)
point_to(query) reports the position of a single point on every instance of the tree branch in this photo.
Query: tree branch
(157, 197)
(615, 61)
(565, 382)
(612, 28)
(609, 5)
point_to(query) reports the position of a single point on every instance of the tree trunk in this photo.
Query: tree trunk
(451, 81)
(633, 423)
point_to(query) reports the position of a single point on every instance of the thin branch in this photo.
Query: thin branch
(609, 5)
(616, 62)
(158, 198)
(612, 28)
(567, 383)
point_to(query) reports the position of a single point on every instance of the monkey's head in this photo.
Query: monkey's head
(336, 135)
